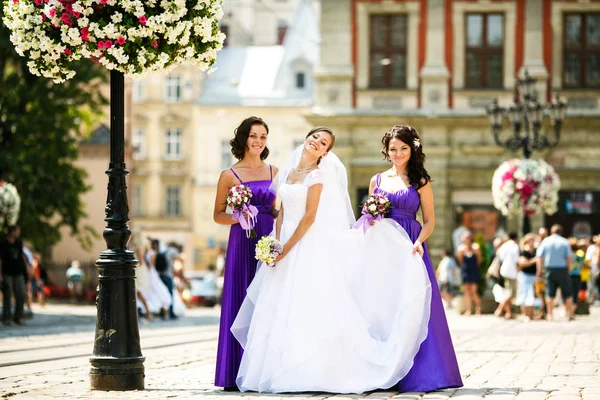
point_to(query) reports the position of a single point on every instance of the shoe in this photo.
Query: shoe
(231, 389)
(28, 314)
(6, 323)
(173, 317)
(20, 322)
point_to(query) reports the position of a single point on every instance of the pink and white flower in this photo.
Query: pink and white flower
(185, 33)
(525, 187)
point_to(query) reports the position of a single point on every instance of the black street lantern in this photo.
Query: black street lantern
(117, 361)
(525, 115)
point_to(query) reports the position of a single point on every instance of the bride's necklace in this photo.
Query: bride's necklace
(305, 169)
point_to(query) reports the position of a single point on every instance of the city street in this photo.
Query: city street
(498, 359)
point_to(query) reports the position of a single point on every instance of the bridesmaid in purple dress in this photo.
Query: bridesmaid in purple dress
(249, 146)
(407, 185)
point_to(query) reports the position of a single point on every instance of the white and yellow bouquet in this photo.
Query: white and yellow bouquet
(268, 249)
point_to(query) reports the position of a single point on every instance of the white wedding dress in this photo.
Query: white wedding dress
(343, 312)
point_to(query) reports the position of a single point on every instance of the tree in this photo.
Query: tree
(41, 125)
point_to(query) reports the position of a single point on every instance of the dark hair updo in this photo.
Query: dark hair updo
(323, 129)
(417, 174)
(239, 143)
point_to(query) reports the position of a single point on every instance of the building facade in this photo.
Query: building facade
(182, 122)
(436, 65)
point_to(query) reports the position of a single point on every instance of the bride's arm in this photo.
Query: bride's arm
(312, 204)
(279, 222)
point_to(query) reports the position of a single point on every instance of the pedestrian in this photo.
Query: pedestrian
(541, 235)
(555, 252)
(36, 279)
(249, 146)
(529, 270)
(156, 294)
(509, 254)
(593, 290)
(469, 258)
(75, 276)
(448, 277)
(13, 271)
(577, 269)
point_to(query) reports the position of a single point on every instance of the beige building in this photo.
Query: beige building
(436, 64)
(182, 124)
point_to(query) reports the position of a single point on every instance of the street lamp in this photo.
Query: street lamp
(525, 115)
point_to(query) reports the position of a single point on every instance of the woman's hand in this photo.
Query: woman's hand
(418, 248)
(280, 257)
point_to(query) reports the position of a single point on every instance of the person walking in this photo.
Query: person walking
(556, 255)
(509, 254)
(469, 257)
(529, 270)
(13, 271)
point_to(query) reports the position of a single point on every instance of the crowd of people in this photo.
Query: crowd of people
(529, 273)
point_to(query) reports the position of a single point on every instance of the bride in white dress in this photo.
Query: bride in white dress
(341, 311)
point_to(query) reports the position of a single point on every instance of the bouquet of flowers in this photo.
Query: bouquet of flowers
(132, 36)
(375, 208)
(10, 204)
(525, 186)
(268, 249)
(238, 200)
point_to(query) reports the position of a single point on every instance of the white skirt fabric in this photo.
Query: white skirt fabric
(156, 293)
(340, 313)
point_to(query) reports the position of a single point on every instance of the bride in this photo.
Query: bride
(341, 311)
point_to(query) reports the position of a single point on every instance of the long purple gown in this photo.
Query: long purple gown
(240, 268)
(435, 366)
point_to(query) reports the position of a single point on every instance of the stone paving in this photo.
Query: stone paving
(498, 360)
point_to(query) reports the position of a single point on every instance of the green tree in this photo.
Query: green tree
(41, 125)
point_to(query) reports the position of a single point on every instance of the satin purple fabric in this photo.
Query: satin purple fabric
(240, 268)
(435, 365)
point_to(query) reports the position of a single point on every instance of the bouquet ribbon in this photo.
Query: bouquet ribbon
(248, 223)
(365, 221)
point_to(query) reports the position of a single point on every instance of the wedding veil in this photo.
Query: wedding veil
(335, 209)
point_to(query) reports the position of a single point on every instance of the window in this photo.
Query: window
(138, 91)
(485, 51)
(281, 30)
(581, 51)
(225, 30)
(173, 94)
(387, 51)
(139, 143)
(300, 80)
(138, 200)
(174, 139)
(173, 203)
(226, 155)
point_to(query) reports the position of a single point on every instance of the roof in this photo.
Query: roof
(101, 135)
(266, 75)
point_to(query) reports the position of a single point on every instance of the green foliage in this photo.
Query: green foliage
(485, 260)
(41, 124)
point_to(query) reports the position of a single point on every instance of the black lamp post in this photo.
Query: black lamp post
(525, 115)
(117, 361)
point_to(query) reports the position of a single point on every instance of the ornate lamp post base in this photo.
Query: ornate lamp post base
(117, 361)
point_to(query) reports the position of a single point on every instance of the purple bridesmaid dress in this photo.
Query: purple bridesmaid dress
(435, 365)
(240, 268)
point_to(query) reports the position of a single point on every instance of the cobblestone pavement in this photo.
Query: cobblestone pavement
(499, 360)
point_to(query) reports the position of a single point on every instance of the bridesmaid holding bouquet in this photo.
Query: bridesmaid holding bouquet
(249, 146)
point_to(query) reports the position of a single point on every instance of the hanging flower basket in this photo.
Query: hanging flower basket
(134, 37)
(10, 204)
(525, 187)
